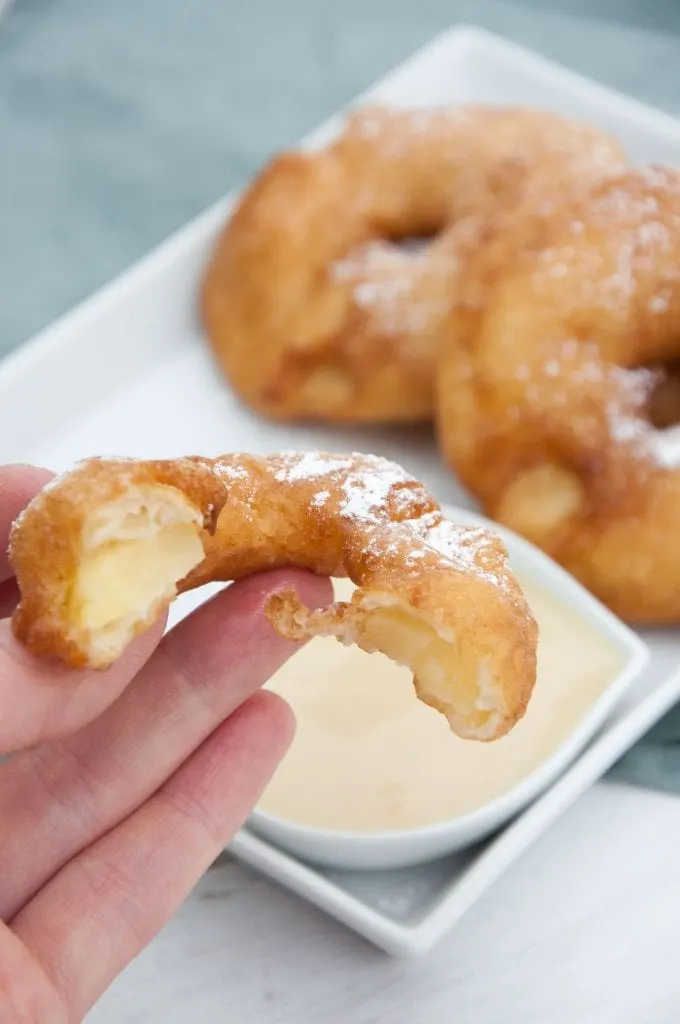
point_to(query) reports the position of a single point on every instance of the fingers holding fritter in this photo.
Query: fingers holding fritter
(102, 551)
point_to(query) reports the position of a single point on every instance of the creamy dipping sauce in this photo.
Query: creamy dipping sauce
(369, 756)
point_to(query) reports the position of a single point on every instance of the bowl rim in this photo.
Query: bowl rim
(558, 581)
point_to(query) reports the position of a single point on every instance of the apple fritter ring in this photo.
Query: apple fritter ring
(102, 550)
(559, 401)
(314, 306)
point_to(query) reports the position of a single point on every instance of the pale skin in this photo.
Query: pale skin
(124, 785)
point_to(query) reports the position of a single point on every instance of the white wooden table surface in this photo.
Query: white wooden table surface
(584, 929)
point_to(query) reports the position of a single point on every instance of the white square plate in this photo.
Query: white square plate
(128, 373)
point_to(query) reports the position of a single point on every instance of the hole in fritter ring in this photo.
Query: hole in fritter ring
(664, 402)
(413, 245)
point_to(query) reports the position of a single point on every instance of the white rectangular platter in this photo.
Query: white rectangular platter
(127, 373)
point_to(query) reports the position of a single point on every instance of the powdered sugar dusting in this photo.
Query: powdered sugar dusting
(624, 394)
(599, 396)
(397, 517)
(491, 130)
(624, 235)
(658, 303)
(366, 494)
(367, 473)
(628, 424)
(653, 233)
(320, 499)
(363, 483)
(230, 471)
(465, 548)
(397, 287)
(396, 129)
(666, 448)
(297, 466)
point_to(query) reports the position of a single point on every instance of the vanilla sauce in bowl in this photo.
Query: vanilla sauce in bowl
(368, 756)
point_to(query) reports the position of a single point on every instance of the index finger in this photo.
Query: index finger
(18, 485)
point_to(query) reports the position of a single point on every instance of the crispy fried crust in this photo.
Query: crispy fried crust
(548, 389)
(310, 309)
(432, 595)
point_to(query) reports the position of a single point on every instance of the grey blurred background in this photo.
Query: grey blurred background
(121, 119)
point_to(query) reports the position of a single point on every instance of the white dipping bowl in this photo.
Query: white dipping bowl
(406, 847)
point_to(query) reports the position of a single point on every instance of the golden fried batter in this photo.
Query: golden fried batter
(555, 407)
(99, 553)
(312, 308)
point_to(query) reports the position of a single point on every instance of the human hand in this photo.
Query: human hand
(126, 784)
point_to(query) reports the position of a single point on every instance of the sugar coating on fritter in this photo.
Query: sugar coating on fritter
(313, 306)
(559, 397)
